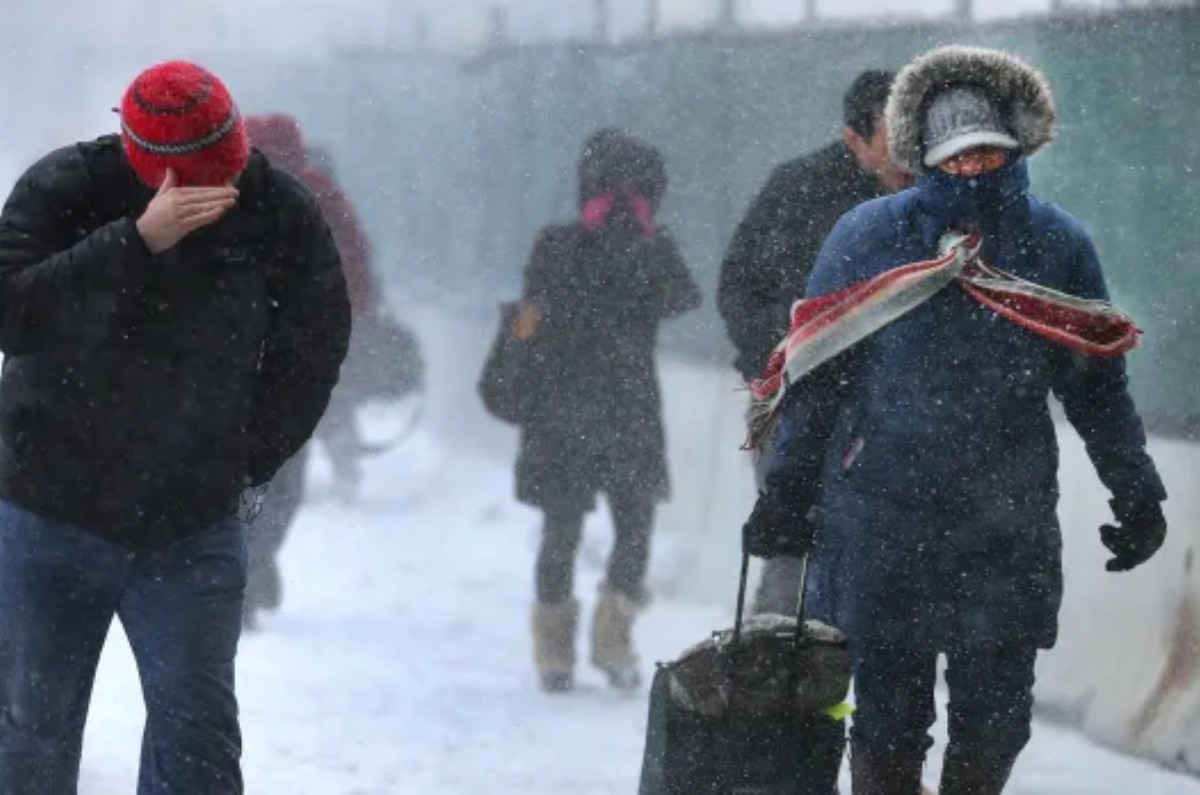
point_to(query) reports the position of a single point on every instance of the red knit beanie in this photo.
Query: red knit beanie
(179, 115)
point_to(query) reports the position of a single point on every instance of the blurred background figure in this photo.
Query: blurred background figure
(596, 291)
(383, 361)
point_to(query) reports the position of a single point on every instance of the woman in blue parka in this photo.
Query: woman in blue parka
(930, 446)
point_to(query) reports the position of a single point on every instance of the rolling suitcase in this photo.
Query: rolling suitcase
(754, 710)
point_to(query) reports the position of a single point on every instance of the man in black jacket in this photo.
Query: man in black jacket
(774, 247)
(173, 318)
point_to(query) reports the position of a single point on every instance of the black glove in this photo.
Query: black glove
(1140, 533)
(778, 525)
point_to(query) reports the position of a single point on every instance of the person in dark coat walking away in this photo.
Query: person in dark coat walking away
(595, 294)
(930, 447)
(773, 250)
(172, 317)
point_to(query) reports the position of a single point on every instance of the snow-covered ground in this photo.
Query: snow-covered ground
(400, 662)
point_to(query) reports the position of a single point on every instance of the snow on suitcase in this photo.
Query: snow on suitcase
(754, 710)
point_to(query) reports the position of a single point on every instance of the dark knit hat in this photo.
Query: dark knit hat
(178, 115)
(613, 159)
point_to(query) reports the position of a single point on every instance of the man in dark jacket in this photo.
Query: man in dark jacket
(173, 317)
(774, 247)
(930, 444)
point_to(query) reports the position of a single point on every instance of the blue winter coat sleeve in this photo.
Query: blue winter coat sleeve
(1095, 395)
(811, 407)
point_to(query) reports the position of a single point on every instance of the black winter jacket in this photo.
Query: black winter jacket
(141, 394)
(774, 247)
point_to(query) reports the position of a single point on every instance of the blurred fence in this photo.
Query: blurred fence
(455, 163)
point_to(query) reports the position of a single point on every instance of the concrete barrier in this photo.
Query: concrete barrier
(1127, 666)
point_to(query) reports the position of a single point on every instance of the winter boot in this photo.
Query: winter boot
(890, 773)
(554, 627)
(974, 772)
(612, 638)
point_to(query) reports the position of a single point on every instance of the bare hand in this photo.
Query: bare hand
(175, 212)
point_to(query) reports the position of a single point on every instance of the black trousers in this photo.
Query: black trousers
(633, 521)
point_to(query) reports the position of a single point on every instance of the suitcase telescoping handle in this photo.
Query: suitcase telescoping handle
(744, 578)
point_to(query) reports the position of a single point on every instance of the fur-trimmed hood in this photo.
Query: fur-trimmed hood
(1020, 92)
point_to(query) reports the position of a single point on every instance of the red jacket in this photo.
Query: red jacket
(278, 137)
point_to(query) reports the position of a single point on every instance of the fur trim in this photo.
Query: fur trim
(1022, 93)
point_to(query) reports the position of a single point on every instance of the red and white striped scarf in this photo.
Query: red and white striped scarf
(825, 326)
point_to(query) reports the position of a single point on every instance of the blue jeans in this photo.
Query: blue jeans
(60, 587)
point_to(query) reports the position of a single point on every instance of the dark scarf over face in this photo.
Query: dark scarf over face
(981, 203)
